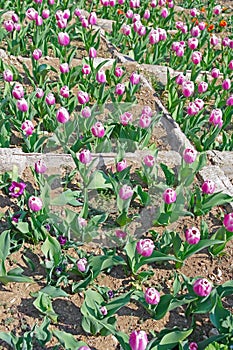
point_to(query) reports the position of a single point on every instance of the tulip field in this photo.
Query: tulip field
(116, 181)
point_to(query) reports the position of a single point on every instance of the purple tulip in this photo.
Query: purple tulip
(45, 13)
(98, 130)
(126, 29)
(152, 296)
(144, 121)
(64, 68)
(226, 84)
(63, 39)
(40, 167)
(192, 108)
(216, 117)
(35, 203)
(120, 166)
(146, 14)
(86, 112)
(192, 235)
(18, 91)
(125, 192)
(138, 340)
(208, 187)
(50, 99)
(145, 247)
(120, 89)
(196, 57)
(101, 77)
(134, 78)
(82, 264)
(187, 88)
(85, 156)
(202, 287)
(16, 189)
(82, 97)
(22, 105)
(39, 21)
(86, 69)
(62, 115)
(31, 14)
(149, 160)
(195, 31)
(64, 91)
(199, 103)
(214, 40)
(180, 79)
(118, 72)
(228, 222)
(230, 65)
(217, 10)
(92, 19)
(202, 87)
(189, 155)
(39, 93)
(27, 127)
(193, 346)
(62, 240)
(103, 310)
(15, 17)
(126, 118)
(229, 101)
(193, 43)
(92, 52)
(8, 75)
(8, 25)
(164, 12)
(169, 196)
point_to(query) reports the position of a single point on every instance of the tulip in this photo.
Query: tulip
(37, 54)
(82, 264)
(31, 14)
(120, 89)
(144, 121)
(217, 10)
(199, 103)
(18, 91)
(149, 160)
(8, 75)
(66, 14)
(195, 31)
(121, 234)
(92, 19)
(202, 87)
(16, 189)
(126, 29)
(228, 222)
(126, 118)
(62, 23)
(202, 287)
(78, 12)
(8, 25)
(63, 39)
(86, 112)
(208, 187)
(64, 68)
(214, 40)
(84, 347)
(180, 78)
(45, 13)
(192, 108)
(169, 196)
(82, 97)
(196, 57)
(193, 43)
(225, 41)
(125, 192)
(152, 296)
(86, 69)
(229, 101)
(118, 72)
(154, 37)
(230, 65)
(35, 203)
(138, 340)
(215, 73)
(92, 52)
(153, 3)
(187, 88)
(101, 77)
(192, 235)
(64, 91)
(27, 127)
(134, 78)
(85, 156)
(98, 130)
(164, 12)
(147, 110)
(226, 84)
(120, 166)
(129, 14)
(50, 99)
(62, 115)
(146, 14)
(39, 21)
(145, 247)
(39, 93)
(62, 240)
(216, 117)
(189, 155)
(82, 222)
(40, 167)
(194, 12)
(15, 17)
(201, 25)
(193, 346)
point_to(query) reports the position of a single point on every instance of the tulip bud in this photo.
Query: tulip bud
(22, 105)
(86, 69)
(92, 19)
(138, 340)
(152, 296)
(215, 73)
(125, 192)
(192, 235)
(40, 167)
(169, 196)
(144, 121)
(126, 118)
(202, 287)
(86, 112)
(85, 156)
(37, 54)
(228, 222)
(196, 57)
(82, 264)
(226, 84)
(62, 115)
(50, 99)
(208, 187)
(145, 247)
(35, 203)
(27, 127)
(216, 117)
(8, 75)
(120, 89)
(202, 87)
(149, 160)
(101, 77)
(39, 93)
(64, 68)
(187, 88)
(120, 166)
(189, 155)
(193, 346)
(18, 91)
(134, 78)
(63, 39)
(8, 25)
(92, 52)
(98, 130)
(82, 97)
(64, 91)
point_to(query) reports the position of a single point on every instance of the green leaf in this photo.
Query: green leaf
(54, 292)
(67, 197)
(169, 174)
(4, 245)
(175, 337)
(44, 305)
(216, 199)
(51, 249)
(15, 278)
(67, 340)
(99, 180)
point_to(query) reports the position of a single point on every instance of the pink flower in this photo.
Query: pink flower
(40, 167)
(146, 14)
(120, 166)
(202, 287)
(8, 75)
(62, 115)
(229, 101)
(193, 346)
(31, 14)
(202, 87)
(86, 69)
(45, 13)
(98, 130)
(180, 78)
(121, 234)
(134, 78)
(50, 99)
(147, 110)
(126, 118)
(39, 93)
(214, 40)
(64, 68)
(216, 117)
(82, 97)
(154, 37)
(164, 12)
(82, 264)
(192, 235)
(85, 156)
(92, 52)
(92, 19)
(144, 121)
(18, 91)
(194, 12)
(230, 65)
(152, 296)
(64, 91)
(169, 196)
(103, 310)
(196, 57)
(27, 127)
(195, 31)
(208, 187)
(63, 39)
(125, 192)
(199, 103)
(226, 84)
(192, 108)
(187, 88)
(193, 43)
(35, 203)
(145, 247)
(217, 10)
(215, 73)
(22, 105)
(39, 20)
(189, 155)
(86, 112)
(120, 89)
(228, 222)
(126, 29)
(149, 160)
(101, 77)
(16, 189)
(118, 72)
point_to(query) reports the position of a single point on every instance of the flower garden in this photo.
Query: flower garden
(116, 181)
